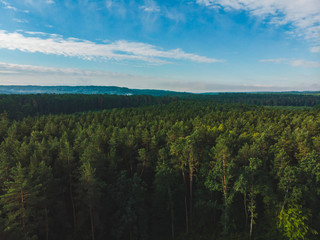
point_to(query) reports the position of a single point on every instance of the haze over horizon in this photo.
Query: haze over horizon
(193, 46)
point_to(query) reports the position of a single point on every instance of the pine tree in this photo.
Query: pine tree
(221, 178)
(18, 202)
(90, 191)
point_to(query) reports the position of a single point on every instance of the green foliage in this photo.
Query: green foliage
(129, 218)
(293, 222)
(19, 202)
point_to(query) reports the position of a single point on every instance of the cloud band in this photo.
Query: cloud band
(72, 47)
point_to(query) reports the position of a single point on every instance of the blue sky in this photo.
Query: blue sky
(192, 45)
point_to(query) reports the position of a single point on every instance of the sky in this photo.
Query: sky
(191, 45)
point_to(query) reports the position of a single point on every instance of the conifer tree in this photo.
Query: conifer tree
(18, 202)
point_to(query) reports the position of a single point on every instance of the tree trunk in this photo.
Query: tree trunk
(252, 210)
(131, 168)
(22, 214)
(245, 207)
(185, 201)
(225, 190)
(73, 207)
(224, 166)
(190, 194)
(47, 223)
(7, 174)
(92, 223)
(71, 195)
(251, 225)
(143, 166)
(131, 232)
(171, 211)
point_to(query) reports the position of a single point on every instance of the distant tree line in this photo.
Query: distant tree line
(181, 170)
(265, 99)
(19, 106)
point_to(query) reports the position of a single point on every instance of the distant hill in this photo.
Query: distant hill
(113, 90)
(13, 89)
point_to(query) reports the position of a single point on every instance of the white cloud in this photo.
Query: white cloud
(8, 6)
(11, 8)
(38, 33)
(4, 3)
(315, 49)
(109, 4)
(20, 20)
(274, 60)
(150, 6)
(175, 14)
(293, 62)
(303, 15)
(72, 47)
(304, 63)
(50, 2)
(31, 69)
(150, 9)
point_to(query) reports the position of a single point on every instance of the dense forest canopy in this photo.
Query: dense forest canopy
(159, 168)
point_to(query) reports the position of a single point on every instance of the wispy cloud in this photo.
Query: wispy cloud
(72, 47)
(274, 60)
(8, 6)
(201, 87)
(17, 74)
(315, 49)
(293, 62)
(4, 3)
(32, 69)
(50, 2)
(175, 14)
(304, 63)
(150, 6)
(302, 15)
(117, 8)
(11, 8)
(20, 20)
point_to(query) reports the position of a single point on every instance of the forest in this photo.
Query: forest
(227, 166)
